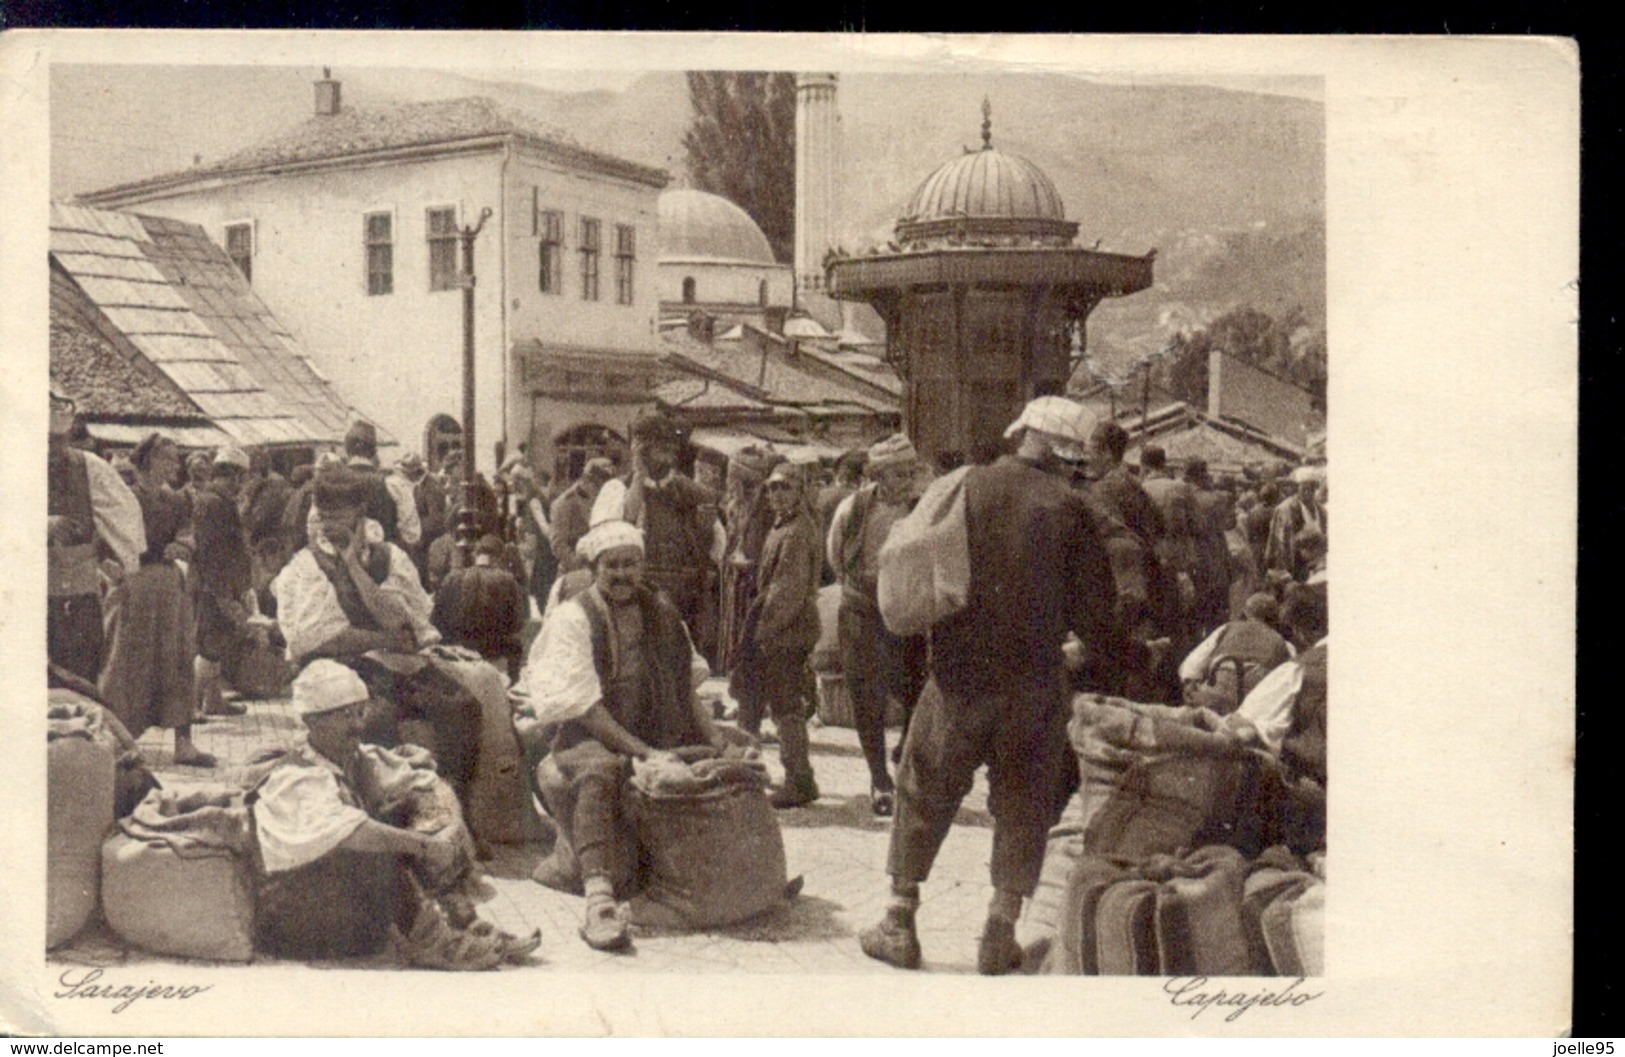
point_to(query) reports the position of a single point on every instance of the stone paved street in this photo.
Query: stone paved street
(836, 844)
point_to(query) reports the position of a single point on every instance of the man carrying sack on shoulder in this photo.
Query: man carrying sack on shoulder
(997, 692)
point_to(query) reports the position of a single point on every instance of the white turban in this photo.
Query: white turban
(1066, 424)
(325, 685)
(608, 535)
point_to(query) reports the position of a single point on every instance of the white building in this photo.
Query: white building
(715, 260)
(347, 227)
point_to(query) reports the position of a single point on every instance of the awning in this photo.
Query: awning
(185, 436)
(730, 442)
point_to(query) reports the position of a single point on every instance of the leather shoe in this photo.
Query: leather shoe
(892, 940)
(998, 953)
(793, 794)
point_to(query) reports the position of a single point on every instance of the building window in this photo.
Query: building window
(380, 253)
(442, 228)
(549, 225)
(589, 259)
(761, 293)
(625, 252)
(240, 248)
(688, 290)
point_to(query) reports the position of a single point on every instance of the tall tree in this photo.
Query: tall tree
(742, 146)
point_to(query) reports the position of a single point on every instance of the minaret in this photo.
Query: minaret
(816, 166)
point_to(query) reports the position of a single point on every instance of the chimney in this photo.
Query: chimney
(1215, 383)
(327, 94)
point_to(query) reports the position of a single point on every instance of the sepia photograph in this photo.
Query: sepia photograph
(843, 516)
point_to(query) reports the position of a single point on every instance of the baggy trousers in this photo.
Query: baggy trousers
(877, 665)
(1019, 732)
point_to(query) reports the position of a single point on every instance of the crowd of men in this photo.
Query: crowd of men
(167, 575)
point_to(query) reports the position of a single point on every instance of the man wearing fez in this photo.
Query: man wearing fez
(997, 692)
(94, 530)
(679, 521)
(352, 597)
(615, 670)
(354, 843)
(389, 499)
(877, 663)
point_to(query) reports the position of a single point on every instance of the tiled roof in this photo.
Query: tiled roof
(354, 132)
(105, 385)
(183, 305)
(785, 383)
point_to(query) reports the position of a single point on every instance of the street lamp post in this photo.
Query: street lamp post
(467, 526)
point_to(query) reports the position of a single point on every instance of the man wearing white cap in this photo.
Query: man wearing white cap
(877, 664)
(94, 530)
(997, 689)
(336, 881)
(615, 670)
(222, 578)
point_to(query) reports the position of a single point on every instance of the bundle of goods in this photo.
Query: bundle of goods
(826, 655)
(1208, 913)
(82, 756)
(835, 703)
(175, 877)
(1154, 781)
(500, 809)
(712, 851)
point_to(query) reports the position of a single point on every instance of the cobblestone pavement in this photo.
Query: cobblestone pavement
(836, 844)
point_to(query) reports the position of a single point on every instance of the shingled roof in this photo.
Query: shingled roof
(175, 300)
(374, 131)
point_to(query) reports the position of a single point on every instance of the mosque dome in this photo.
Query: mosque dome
(698, 226)
(986, 197)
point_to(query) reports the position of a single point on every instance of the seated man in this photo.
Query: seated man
(1228, 664)
(614, 668)
(351, 597)
(335, 879)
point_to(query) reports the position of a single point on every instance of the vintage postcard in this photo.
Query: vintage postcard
(706, 534)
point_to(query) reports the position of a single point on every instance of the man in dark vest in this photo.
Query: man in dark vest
(94, 530)
(997, 690)
(482, 607)
(391, 505)
(615, 669)
(678, 517)
(876, 663)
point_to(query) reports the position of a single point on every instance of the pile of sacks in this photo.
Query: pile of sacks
(701, 847)
(1184, 851)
